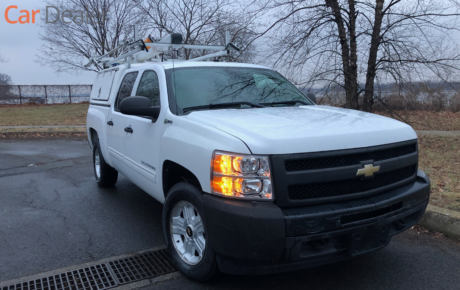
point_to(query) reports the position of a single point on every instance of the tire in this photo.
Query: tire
(185, 201)
(105, 174)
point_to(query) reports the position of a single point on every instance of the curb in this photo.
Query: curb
(441, 220)
(37, 129)
(32, 135)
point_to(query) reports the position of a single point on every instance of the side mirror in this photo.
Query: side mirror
(312, 97)
(139, 106)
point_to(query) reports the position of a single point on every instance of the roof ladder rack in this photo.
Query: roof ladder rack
(142, 50)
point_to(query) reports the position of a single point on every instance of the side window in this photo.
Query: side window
(126, 87)
(149, 87)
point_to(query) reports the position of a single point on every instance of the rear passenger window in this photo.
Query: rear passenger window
(149, 87)
(126, 88)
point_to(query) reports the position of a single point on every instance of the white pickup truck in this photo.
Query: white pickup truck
(255, 177)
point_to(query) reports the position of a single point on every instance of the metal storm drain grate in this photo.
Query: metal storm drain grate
(94, 277)
(103, 276)
(143, 266)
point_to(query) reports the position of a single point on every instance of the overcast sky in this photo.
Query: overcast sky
(19, 43)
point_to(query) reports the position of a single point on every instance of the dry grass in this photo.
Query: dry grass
(440, 159)
(428, 120)
(28, 115)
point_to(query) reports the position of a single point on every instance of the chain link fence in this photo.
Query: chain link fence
(44, 94)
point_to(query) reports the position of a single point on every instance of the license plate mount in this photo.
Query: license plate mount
(368, 240)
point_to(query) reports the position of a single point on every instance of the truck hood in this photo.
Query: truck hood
(286, 130)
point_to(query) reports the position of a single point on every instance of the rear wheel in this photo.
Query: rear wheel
(185, 233)
(105, 174)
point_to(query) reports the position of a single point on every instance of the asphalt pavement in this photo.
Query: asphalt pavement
(53, 215)
(410, 261)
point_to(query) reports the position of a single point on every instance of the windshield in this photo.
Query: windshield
(204, 86)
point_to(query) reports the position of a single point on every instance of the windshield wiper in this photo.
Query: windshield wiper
(222, 105)
(286, 103)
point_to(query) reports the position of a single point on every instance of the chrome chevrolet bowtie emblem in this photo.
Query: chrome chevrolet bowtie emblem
(368, 170)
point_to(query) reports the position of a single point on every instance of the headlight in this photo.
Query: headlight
(243, 176)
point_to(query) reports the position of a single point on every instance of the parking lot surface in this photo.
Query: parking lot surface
(53, 215)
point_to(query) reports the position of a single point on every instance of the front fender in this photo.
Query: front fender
(191, 145)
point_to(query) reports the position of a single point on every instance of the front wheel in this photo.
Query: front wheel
(185, 233)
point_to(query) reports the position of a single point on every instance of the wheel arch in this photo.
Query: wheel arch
(92, 136)
(173, 173)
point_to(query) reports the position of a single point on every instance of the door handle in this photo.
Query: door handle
(110, 123)
(129, 130)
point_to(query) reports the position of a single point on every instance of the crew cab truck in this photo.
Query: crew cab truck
(255, 177)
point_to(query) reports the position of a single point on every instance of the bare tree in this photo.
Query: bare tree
(347, 43)
(199, 22)
(5, 88)
(5, 79)
(96, 27)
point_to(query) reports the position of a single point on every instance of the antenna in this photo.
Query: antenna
(143, 50)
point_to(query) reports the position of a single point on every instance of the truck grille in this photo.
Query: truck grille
(297, 192)
(345, 160)
(331, 176)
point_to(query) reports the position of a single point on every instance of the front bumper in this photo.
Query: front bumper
(252, 237)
